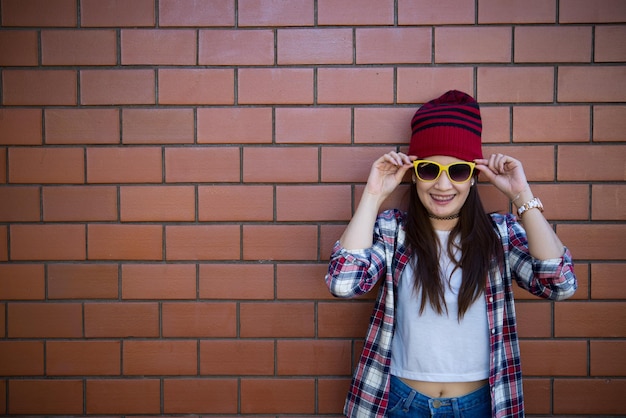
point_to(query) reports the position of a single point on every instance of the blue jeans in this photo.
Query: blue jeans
(405, 402)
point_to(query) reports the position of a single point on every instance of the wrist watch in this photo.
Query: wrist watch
(533, 203)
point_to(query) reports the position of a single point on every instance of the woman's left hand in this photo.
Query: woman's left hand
(504, 172)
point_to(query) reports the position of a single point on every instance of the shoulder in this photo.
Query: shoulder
(392, 216)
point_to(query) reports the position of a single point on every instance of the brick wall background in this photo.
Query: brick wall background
(174, 173)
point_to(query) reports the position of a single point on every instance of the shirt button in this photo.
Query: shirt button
(493, 331)
(490, 299)
(436, 403)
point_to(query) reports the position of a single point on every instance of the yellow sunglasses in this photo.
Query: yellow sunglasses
(459, 172)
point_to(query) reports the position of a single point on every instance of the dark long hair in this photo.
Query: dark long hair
(480, 247)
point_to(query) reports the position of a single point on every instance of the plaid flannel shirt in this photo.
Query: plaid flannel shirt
(352, 273)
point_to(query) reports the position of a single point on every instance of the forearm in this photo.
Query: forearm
(359, 232)
(543, 243)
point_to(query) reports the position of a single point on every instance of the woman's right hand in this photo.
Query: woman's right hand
(387, 173)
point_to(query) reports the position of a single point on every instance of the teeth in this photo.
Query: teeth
(442, 198)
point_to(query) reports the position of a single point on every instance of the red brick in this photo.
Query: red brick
(275, 13)
(594, 241)
(608, 202)
(313, 203)
(331, 395)
(188, 396)
(118, 320)
(196, 86)
(553, 195)
(516, 11)
(48, 242)
(196, 13)
(44, 320)
(551, 123)
(235, 203)
(158, 47)
(82, 126)
(157, 203)
(537, 396)
(124, 165)
(117, 87)
(39, 87)
(236, 281)
(607, 358)
(202, 164)
(46, 165)
(599, 11)
(234, 125)
(554, 358)
(117, 13)
(301, 281)
(379, 125)
(3, 165)
(237, 357)
(601, 163)
(275, 86)
(125, 242)
(276, 320)
(608, 47)
(202, 242)
(279, 242)
(149, 358)
(592, 84)
(489, 44)
(607, 282)
(496, 124)
(20, 204)
(22, 282)
(355, 319)
(314, 46)
(79, 203)
(45, 397)
(158, 281)
(20, 126)
(553, 44)
(534, 319)
(21, 358)
(123, 396)
(538, 160)
(419, 85)
(349, 164)
(76, 358)
(609, 123)
(425, 12)
(314, 357)
(4, 248)
(157, 126)
(589, 396)
(19, 48)
(355, 85)
(78, 47)
(590, 319)
(199, 319)
(236, 47)
(515, 84)
(277, 396)
(393, 45)
(39, 13)
(280, 164)
(365, 12)
(82, 281)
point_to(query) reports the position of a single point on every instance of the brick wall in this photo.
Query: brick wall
(174, 173)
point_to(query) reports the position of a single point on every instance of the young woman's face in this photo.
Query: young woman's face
(442, 197)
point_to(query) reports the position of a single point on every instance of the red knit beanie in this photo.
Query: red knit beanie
(449, 125)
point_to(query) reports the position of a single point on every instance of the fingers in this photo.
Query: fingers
(497, 163)
(397, 158)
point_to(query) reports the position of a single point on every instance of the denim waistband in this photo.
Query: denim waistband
(469, 401)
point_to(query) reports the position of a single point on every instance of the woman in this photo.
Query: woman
(442, 337)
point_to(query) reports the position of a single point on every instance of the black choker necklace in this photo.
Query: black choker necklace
(443, 218)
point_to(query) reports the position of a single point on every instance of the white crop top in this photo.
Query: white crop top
(438, 348)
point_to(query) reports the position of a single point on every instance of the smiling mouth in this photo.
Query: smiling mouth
(442, 199)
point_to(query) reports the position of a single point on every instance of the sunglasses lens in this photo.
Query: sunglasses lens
(460, 172)
(427, 171)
